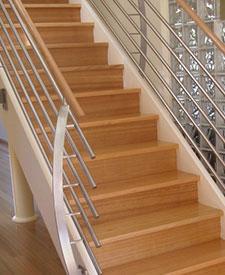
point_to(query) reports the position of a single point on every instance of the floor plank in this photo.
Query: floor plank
(24, 249)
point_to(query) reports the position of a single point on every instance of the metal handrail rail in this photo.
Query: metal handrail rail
(172, 31)
(42, 106)
(166, 44)
(167, 86)
(12, 70)
(163, 81)
(45, 66)
(129, 36)
(165, 63)
(18, 6)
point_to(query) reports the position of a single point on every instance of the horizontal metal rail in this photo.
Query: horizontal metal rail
(165, 63)
(105, 11)
(162, 80)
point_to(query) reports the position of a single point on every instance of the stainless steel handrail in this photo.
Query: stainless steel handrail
(164, 82)
(166, 64)
(166, 44)
(105, 11)
(43, 108)
(12, 63)
(170, 90)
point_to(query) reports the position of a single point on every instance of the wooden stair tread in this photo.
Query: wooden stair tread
(89, 94)
(67, 45)
(182, 261)
(108, 92)
(150, 182)
(118, 120)
(106, 121)
(81, 68)
(132, 149)
(133, 226)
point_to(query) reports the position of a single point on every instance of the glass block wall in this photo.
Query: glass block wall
(213, 61)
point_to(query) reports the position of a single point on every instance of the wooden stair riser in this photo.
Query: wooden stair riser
(134, 202)
(69, 57)
(105, 136)
(208, 258)
(83, 80)
(58, 34)
(111, 105)
(121, 134)
(95, 106)
(138, 247)
(50, 14)
(129, 166)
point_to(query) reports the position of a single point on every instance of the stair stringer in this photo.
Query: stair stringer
(36, 171)
(208, 192)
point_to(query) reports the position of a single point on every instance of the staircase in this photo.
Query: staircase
(150, 219)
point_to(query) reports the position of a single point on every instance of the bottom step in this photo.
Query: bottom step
(207, 259)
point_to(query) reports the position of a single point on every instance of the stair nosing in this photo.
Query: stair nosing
(66, 45)
(82, 68)
(56, 24)
(134, 151)
(118, 121)
(55, 97)
(125, 91)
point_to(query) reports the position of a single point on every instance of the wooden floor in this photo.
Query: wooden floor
(24, 249)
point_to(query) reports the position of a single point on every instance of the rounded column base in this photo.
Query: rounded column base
(24, 220)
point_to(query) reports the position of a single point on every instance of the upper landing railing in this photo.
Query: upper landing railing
(148, 38)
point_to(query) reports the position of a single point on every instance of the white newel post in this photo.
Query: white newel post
(22, 197)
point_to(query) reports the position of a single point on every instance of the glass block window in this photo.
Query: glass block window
(203, 48)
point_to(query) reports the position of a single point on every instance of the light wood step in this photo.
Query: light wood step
(86, 78)
(129, 161)
(141, 236)
(54, 11)
(203, 259)
(110, 102)
(100, 104)
(141, 195)
(115, 131)
(56, 33)
(71, 54)
(120, 131)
